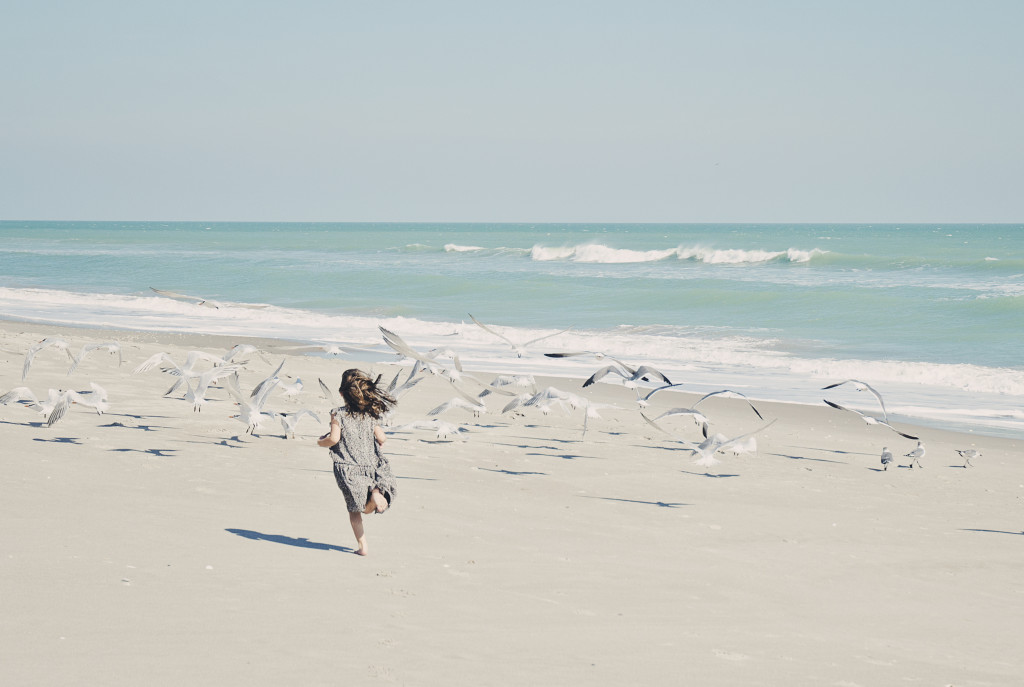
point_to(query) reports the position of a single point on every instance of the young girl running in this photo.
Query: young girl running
(360, 467)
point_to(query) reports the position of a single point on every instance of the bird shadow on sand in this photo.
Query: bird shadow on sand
(563, 456)
(61, 440)
(514, 473)
(708, 474)
(817, 460)
(158, 452)
(301, 542)
(972, 529)
(837, 451)
(144, 428)
(23, 424)
(659, 504)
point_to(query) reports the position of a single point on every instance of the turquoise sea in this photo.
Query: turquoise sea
(931, 315)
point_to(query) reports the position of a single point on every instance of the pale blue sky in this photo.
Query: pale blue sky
(636, 111)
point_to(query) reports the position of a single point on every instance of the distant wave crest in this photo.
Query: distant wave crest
(598, 253)
(456, 248)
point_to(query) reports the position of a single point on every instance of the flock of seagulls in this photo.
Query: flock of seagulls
(202, 372)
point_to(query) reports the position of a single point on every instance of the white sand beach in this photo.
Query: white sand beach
(156, 545)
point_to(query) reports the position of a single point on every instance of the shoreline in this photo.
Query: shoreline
(490, 366)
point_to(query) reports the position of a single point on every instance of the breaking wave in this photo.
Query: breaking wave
(598, 253)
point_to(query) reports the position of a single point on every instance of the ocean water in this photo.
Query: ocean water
(931, 315)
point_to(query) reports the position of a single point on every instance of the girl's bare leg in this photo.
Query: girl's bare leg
(356, 520)
(377, 502)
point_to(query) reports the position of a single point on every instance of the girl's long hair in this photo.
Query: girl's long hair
(362, 395)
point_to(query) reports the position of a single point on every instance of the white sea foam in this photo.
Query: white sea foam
(598, 253)
(744, 257)
(456, 248)
(542, 253)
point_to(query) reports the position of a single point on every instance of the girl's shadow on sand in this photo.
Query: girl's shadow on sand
(290, 541)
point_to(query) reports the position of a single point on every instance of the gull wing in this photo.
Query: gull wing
(662, 388)
(607, 369)
(645, 371)
(729, 442)
(688, 444)
(839, 407)
(19, 394)
(547, 336)
(728, 392)
(112, 346)
(153, 361)
(323, 387)
(864, 385)
(491, 331)
(272, 378)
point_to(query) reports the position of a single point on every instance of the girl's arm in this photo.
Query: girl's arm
(333, 436)
(379, 435)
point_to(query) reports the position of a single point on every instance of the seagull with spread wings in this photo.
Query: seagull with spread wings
(868, 419)
(49, 342)
(111, 346)
(519, 348)
(862, 386)
(706, 450)
(631, 380)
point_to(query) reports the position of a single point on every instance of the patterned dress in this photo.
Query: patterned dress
(359, 463)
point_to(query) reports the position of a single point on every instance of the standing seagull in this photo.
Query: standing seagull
(916, 455)
(862, 386)
(519, 348)
(48, 342)
(886, 457)
(967, 454)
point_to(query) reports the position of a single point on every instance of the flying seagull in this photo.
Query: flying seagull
(111, 346)
(24, 396)
(869, 420)
(862, 386)
(697, 416)
(731, 394)
(519, 348)
(48, 342)
(644, 372)
(198, 300)
(290, 420)
(706, 450)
